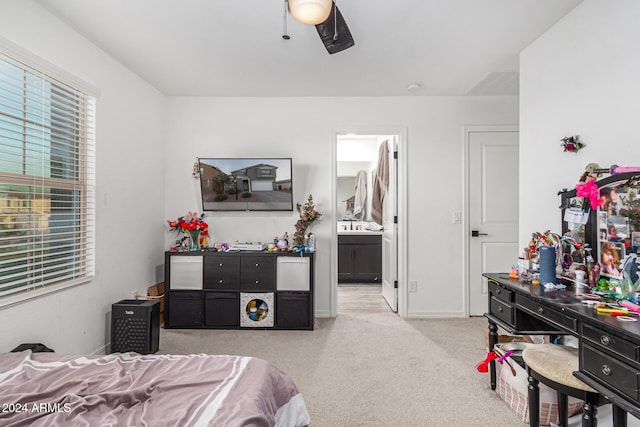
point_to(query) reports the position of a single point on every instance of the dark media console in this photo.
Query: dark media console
(239, 290)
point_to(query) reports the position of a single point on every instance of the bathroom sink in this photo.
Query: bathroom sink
(357, 227)
(358, 232)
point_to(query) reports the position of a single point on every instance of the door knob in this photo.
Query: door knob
(476, 233)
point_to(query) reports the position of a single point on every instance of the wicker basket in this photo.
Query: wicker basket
(513, 390)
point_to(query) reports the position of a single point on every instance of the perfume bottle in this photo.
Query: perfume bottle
(589, 260)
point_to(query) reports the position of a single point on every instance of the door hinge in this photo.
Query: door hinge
(395, 155)
(395, 284)
(395, 219)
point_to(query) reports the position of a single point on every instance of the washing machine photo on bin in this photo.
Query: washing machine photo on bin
(257, 309)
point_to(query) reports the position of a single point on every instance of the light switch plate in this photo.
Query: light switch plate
(457, 217)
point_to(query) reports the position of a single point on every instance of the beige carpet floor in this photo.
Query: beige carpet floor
(369, 367)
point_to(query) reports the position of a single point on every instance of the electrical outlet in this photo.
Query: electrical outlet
(413, 286)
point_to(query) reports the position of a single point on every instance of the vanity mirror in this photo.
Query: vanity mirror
(612, 230)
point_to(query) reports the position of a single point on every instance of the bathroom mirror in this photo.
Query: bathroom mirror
(356, 163)
(345, 196)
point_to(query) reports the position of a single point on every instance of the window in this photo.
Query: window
(47, 210)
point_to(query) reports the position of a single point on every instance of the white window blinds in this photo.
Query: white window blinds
(47, 209)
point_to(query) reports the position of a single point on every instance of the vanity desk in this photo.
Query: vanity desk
(609, 349)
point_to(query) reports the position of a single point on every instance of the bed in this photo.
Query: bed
(128, 389)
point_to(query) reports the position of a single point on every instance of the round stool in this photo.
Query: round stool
(553, 365)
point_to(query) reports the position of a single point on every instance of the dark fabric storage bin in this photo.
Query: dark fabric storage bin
(221, 309)
(185, 308)
(293, 310)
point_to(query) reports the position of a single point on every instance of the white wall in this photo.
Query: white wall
(129, 189)
(303, 128)
(580, 77)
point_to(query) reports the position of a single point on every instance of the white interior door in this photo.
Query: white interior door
(493, 209)
(390, 233)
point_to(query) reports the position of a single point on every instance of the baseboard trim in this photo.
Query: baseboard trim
(434, 315)
(323, 314)
(326, 314)
(102, 350)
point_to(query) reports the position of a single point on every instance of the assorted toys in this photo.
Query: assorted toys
(279, 244)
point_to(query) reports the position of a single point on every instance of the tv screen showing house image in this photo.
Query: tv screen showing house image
(246, 184)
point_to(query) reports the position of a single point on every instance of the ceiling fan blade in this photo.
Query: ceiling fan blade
(334, 32)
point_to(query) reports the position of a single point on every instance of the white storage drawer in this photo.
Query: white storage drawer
(292, 273)
(186, 273)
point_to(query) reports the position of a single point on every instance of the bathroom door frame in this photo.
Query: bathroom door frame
(401, 185)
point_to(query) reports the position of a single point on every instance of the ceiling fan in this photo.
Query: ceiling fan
(326, 17)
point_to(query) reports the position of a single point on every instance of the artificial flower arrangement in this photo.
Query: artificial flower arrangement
(572, 144)
(308, 215)
(192, 226)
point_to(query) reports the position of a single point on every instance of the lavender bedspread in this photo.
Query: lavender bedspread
(153, 390)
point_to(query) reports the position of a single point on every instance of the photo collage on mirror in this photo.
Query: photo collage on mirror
(613, 231)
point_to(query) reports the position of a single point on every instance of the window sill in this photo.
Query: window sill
(11, 300)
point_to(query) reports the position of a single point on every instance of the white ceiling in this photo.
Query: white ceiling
(235, 48)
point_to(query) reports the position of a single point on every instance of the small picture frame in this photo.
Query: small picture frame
(602, 220)
(611, 256)
(617, 228)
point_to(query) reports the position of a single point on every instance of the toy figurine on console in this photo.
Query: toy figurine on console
(514, 272)
(181, 244)
(283, 243)
(630, 269)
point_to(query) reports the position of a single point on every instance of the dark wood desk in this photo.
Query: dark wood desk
(609, 348)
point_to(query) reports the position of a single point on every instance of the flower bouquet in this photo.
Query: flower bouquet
(192, 226)
(308, 215)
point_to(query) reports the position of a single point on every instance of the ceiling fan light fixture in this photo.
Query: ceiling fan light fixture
(310, 12)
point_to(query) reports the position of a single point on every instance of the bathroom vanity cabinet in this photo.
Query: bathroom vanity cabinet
(360, 258)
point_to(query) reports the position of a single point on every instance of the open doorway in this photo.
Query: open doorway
(366, 212)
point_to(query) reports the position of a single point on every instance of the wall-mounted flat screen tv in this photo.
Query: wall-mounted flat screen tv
(246, 184)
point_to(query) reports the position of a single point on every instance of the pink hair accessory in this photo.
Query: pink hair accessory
(484, 365)
(590, 190)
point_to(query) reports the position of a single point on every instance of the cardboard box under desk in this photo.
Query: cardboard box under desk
(156, 292)
(505, 338)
